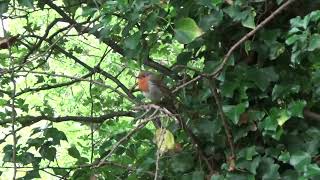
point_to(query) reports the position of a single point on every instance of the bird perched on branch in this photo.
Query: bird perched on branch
(152, 87)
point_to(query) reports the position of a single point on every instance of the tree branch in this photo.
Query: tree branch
(111, 43)
(311, 115)
(227, 129)
(47, 87)
(28, 120)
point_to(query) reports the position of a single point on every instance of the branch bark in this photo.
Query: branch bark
(227, 129)
(28, 120)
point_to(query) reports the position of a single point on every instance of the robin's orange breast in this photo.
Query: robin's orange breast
(143, 84)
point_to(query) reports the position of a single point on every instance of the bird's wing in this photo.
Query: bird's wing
(158, 80)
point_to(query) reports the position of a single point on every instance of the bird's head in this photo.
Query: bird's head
(143, 80)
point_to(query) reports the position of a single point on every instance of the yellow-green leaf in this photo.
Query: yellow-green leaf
(164, 140)
(186, 30)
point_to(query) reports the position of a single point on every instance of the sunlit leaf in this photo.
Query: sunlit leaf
(165, 140)
(186, 30)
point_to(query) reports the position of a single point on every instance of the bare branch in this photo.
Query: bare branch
(28, 120)
(225, 125)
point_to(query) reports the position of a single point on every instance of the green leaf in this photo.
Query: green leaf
(233, 112)
(198, 175)
(211, 20)
(73, 152)
(290, 175)
(281, 90)
(312, 170)
(27, 3)
(132, 41)
(296, 108)
(164, 140)
(228, 88)
(206, 129)
(298, 22)
(3, 102)
(284, 157)
(26, 158)
(32, 174)
(48, 153)
(248, 152)
(4, 6)
(186, 30)
(55, 134)
(249, 20)
(300, 159)
(239, 176)
(250, 165)
(314, 42)
(216, 177)
(182, 163)
(283, 116)
(268, 169)
(279, 1)
(262, 77)
(59, 171)
(183, 58)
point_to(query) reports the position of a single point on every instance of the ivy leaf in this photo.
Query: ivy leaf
(279, 1)
(284, 157)
(206, 129)
(314, 42)
(216, 177)
(268, 169)
(249, 20)
(233, 112)
(283, 117)
(186, 30)
(262, 77)
(296, 108)
(211, 20)
(300, 159)
(248, 152)
(250, 165)
(312, 170)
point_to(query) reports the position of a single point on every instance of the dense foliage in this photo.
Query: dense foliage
(70, 109)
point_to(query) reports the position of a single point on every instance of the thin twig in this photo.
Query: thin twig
(132, 132)
(81, 79)
(91, 122)
(225, 125)
(248, 35)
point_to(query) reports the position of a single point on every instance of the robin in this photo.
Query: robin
(152, 87)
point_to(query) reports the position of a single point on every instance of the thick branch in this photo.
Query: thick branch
(28, 120)
(311, 115)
